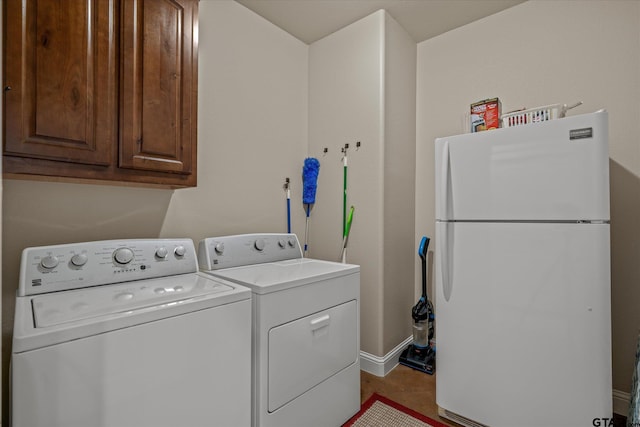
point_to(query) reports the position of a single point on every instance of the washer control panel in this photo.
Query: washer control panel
(79, 265)
(215, 253)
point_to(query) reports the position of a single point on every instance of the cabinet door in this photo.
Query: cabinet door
(60, 80)
(158, 85)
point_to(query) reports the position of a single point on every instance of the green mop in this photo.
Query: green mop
(345, 239)
(346, 222)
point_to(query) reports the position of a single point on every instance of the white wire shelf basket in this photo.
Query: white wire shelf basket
(536, 115)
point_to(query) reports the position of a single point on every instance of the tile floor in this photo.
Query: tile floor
(413, 389)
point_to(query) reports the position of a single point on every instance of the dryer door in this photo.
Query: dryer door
(307, 351)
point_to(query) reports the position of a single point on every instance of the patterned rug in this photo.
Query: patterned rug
(379, 411)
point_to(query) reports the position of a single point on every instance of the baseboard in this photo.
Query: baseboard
(621, 402)
(381, 366)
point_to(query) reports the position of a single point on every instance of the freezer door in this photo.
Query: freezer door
(556, 170)
(523, 321)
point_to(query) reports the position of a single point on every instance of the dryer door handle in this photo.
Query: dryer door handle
(320, 322)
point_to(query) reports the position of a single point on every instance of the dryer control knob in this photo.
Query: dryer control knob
(219, 248)
(259, 244)
(161, 252)
(292, 242)
(281, 243)
(123, 255)
(49, 262)
(79, 260)
(180, 251)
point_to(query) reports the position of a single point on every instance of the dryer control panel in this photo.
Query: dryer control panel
(79, 265)
(215, 253)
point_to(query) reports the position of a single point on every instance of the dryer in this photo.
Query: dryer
(306, 328)
(128, 333)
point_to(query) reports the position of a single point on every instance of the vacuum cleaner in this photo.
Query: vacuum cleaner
(420, 355)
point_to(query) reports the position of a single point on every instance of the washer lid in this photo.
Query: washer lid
(62, 307)
(276, 276)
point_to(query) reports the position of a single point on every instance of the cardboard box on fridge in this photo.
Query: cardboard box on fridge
(485, 115)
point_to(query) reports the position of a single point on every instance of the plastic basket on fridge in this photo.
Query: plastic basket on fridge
(536, 115)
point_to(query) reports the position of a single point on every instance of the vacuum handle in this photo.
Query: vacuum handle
(424, 245)
(422, 252)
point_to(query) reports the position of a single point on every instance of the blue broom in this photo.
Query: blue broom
(310, 172)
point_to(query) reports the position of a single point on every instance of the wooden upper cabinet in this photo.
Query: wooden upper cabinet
(158, 120)
(60, 80)
(101, 90)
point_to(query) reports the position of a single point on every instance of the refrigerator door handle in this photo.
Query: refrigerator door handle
(446, 260)
(444, 182)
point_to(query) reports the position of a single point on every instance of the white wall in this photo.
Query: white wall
(539, 53)
(345, 106)
(252, 117)
(362, 88)
(252, 128)
(400, 247)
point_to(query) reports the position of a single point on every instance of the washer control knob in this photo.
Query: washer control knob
(49, 262)
(79, 260)
(219, 248)
(161, 252)
(281, 243)
(292, 242)
(123, 255)
(179, 251)
(259, 244)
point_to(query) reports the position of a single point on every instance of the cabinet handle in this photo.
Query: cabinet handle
(7, 88)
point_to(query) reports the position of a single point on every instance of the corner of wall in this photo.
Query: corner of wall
(344, 107)
(399, 168)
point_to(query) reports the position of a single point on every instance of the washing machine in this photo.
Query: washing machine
(128, 333)
(306, 328)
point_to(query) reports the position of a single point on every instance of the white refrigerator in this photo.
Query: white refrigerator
(522, 266)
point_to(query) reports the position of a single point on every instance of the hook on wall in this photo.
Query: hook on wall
(346, 147)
